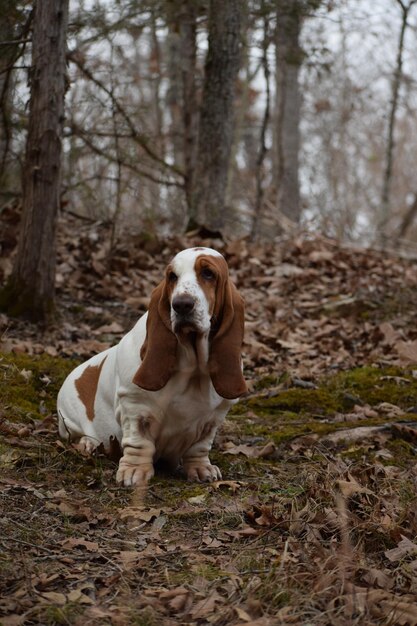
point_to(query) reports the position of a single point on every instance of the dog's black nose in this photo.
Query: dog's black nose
(183, 305)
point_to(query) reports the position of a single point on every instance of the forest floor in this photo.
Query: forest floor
(315, 522)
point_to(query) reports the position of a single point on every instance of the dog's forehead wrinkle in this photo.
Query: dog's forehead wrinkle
(187, 257)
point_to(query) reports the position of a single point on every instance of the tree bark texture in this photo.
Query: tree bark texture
(262, 143)
(395, 90)
(182, 92)
(289, 57)
(30, 291)
(216, 115)
(10, 21)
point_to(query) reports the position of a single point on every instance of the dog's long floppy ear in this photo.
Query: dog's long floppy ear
(158, 352)
(226, 345)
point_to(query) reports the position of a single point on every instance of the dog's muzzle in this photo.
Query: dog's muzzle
(183, 306)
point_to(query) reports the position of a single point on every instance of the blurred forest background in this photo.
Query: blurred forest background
(310, 119)
(255, 118)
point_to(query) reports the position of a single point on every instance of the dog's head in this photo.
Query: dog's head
(195, 300)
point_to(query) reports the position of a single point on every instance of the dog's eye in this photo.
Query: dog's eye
(172, 277)
(207, 274)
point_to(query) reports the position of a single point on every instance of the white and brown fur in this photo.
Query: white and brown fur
(163, 391)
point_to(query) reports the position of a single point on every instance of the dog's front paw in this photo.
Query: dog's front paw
(202, 472)
(86, 445)
(131, 475)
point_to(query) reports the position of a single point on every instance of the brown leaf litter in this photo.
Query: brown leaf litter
(321, 530)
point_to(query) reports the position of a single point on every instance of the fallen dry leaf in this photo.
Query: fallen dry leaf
(205, 607)
(404, 548)
(407, 350)
(250, 451)
(202, 497)
(77, 595)
(141, 513)
(72, 542)
(129, 558)
(233, 485)
(53, 597)
(376, 577)
(389, 333)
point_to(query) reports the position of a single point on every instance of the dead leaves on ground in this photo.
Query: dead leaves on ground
(311, 304)
(256, 452)
(225, 554)
(273, 543)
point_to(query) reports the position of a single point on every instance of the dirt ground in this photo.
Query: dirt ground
(315, 519)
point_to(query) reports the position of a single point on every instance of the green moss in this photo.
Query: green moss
(370, 385)
(237, 409)
(30, 384)
(208, 571)
(297, 411)
(374, 385)
(402, 450)
(319, 401)
(67, 614)
(143, 617)
(271, 380)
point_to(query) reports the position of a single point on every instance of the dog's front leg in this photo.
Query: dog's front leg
(138, 446)
(196, 462)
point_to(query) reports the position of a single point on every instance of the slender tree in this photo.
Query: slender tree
(288, 60)
(264, 127)
(395, 90)
(182, 92)
(30, 290)
(216, 115)
(13, 33)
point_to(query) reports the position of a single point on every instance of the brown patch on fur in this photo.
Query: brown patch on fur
(227, 334)
(219, 268)
(159, 350)
(86, 386)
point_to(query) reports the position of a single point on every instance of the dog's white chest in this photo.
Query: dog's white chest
(189, 409)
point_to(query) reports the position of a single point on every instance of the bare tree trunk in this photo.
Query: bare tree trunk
(182, 96)
(407, 220)
(262, 147)
(31, 288)
(289, 57)
(396, 82)
(216, 116)
(247, 75)
(118, 164)
(188, 29)
(10, 49)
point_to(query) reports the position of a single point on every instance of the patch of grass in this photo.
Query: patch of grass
(319, 401)
(288, 501)
(373, 385)
(370, 385)
(208, 571)
(30, 384)
(293, 412)
(402, 450)
(67, 614)
(143, 617)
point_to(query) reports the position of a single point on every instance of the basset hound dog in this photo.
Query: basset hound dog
(163, 391)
